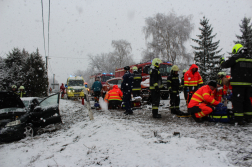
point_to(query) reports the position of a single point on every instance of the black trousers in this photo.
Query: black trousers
(174, 101)
(241, 102)
(97, 95)
(155, 100)
(136, 93)
(114, 104)
(127, 100)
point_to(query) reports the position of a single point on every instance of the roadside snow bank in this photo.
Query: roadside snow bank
(109, 142)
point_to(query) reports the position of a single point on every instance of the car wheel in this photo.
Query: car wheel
(28, 131)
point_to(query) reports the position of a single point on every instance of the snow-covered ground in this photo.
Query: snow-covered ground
(113, 139)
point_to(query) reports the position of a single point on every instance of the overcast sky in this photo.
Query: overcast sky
(79, 27)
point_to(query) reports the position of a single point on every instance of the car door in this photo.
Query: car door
(46, 112)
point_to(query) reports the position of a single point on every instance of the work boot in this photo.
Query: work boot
(128, 112)
(248, 120)
(181, 114)
(173, 111)
(198, 120)
(157, 116)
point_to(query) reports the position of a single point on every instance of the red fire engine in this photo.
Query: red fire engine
(103, 77)
(144, 69)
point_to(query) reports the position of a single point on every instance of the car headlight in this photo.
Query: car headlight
(72, 90)
(69, 91)
(13, 123)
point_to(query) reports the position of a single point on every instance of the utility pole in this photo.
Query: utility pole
(46, 65)
(53, 80)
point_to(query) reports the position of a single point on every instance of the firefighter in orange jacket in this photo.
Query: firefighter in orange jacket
(202, 101)
(115, 98)
(192, 80)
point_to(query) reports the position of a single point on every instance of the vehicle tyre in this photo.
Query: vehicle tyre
(29, 131)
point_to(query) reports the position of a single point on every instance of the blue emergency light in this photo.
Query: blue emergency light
(103, 73)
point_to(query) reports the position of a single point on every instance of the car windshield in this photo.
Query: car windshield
(105, 78)
(119, 82)
(75, 83)
(165, 69)
(50, 101)
(26, 103)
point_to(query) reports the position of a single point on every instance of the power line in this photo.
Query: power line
(43, 26)
(48, 27)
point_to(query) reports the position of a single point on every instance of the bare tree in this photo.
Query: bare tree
(168, 34)
(122, 50)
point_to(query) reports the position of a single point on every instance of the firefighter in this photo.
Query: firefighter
(173, 86)
(201, 102)
(14, 89)
(241, 72)
(21, 92)
(136, 84)
(114, 98)
(192, 80)
(183, 86)
(96, 88)
(126, 87)
(155, 85)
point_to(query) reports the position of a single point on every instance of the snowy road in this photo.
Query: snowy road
(113, 139)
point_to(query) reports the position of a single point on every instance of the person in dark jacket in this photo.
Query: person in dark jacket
(241, 80)
(155, 85)
(14, 89)
(126, 88)
(136, 84)
(183, 86)
(96, 88)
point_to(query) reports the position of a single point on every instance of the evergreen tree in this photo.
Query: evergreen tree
(206, 54)
(246, 38)
(28, 70)
(15, 63)
(36, 76)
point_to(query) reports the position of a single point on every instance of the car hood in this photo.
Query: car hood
(75, 87)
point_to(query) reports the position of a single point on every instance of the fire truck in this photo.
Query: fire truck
(144, 69)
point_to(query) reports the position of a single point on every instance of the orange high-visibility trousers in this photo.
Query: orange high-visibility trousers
(201, 110)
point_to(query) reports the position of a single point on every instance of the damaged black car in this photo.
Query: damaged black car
(18, 121)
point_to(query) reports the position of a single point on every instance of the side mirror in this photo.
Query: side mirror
(37, 109)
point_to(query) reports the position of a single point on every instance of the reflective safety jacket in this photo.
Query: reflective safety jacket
(202, 95)
(136, 83)
(192, 80)
(155, 78)
(115, 94)
(22, 94)
(241, 69)
(173, 83)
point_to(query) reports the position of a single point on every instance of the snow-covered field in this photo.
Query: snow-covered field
(113, 139)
